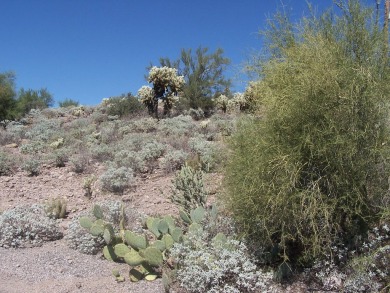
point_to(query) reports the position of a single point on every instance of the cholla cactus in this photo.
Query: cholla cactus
(221, 102)
(166, 85)
(167, 77)
(146, 96)
(237, 103)
(251, 94)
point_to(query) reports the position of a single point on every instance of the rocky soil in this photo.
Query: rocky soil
(54, 267)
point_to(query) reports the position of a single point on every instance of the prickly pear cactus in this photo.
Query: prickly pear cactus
(185, 217)
(133, 258)
(97, 212)
(86, 222)
(198, 215)
(153, 256)
(136, 241)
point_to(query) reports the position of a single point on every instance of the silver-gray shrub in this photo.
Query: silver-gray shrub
(32, 166)
(143, 125)
(134, 142)
(101, 152)
(109, 131)
(44, 130)
(212, 266)
(173, 160)
(80, 128)
(16, 130)
(5, 136)
(152, 151)
(5, 164)
(142, 160)
(179, 126)
(130, 159)
(196, 114)
(206, 150)
(117, 179)
(81, 240)
(33, 147)
(27, 226)
(79, 163)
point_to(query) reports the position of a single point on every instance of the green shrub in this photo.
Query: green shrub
(313, 172)
(68, 103)
(32, 167)
(5, 164)
(79, 163)
(124, 105)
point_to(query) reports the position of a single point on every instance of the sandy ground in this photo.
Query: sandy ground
(56, 268)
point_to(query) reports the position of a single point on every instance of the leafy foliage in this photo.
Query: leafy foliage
(124, 105)
(204, 76)
(68, 103)
(32, 99)
(313, 171)
(7, 95)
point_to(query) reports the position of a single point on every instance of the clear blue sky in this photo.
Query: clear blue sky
(87, 50)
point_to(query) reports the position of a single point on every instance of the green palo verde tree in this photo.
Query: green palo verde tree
(33, 99)
(7, 96)
(203, 72)
(312, 172)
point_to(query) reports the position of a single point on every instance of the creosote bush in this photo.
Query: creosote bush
(312, 172)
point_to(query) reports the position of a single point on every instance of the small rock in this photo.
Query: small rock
(11, 146)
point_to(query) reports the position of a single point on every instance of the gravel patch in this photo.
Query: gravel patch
(54, 267)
